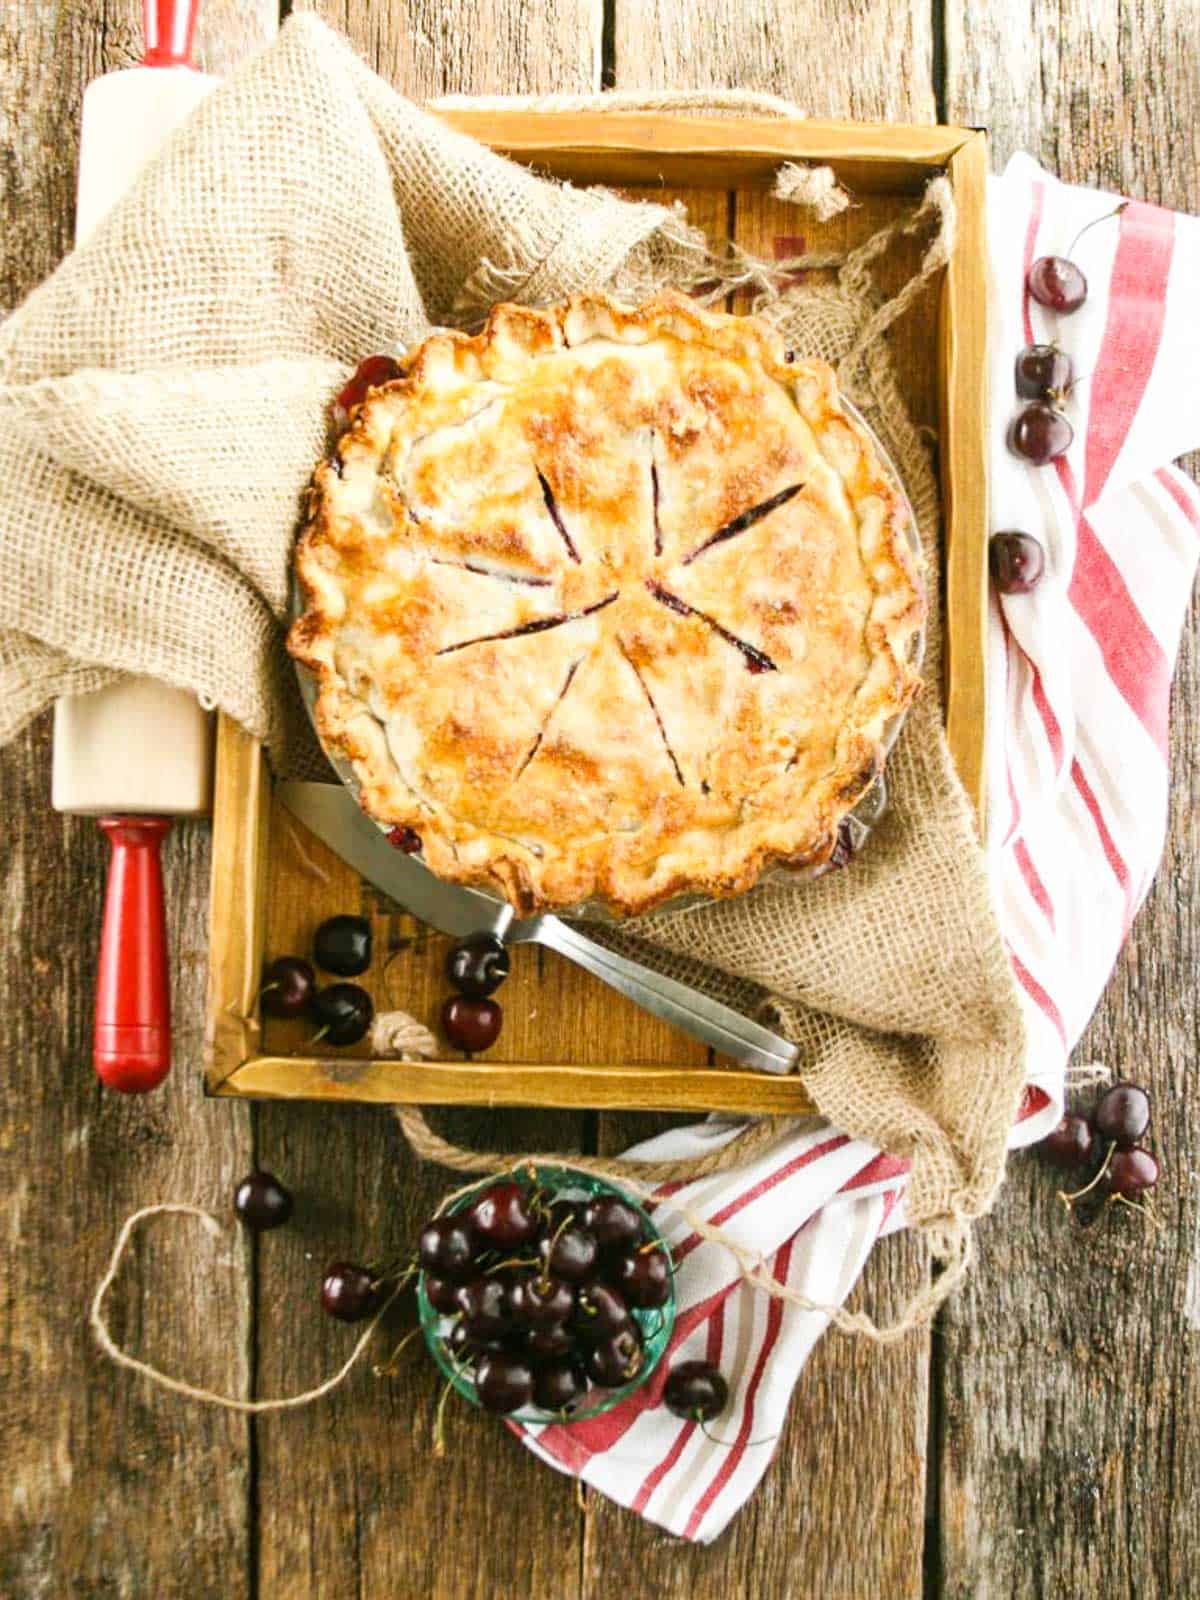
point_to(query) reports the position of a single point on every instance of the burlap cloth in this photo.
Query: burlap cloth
(164, 398)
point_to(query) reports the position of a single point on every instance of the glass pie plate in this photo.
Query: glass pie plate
(656, 1325)
(858, 823)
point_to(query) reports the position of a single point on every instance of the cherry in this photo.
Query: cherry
(478, 966)
(501, 1216)
(441, 1294)
(550, 1344)
(344, 1012)
(446, 1247)
(471, 1025)
(643, 1277)
(369, 374)
(262, 1202)
(600, 1311)
(343, 945)
(539, 1302)
(617, 1359)
(1043, 372)
(696, 1390)
(484, 1307)
(1122, 1114)
(348, 1292)
(288, 987)
(406, 839)
(1132, 1172)
(503, 1382)
(1071, 1144)
(1016, 560)
(557, 1387)
(613, 1221)
(1040, 433)
(572, 1254)
(1056, 282)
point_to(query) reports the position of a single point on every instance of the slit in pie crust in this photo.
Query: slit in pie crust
(609, 605)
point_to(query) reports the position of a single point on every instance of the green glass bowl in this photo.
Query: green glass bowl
(656, 1324)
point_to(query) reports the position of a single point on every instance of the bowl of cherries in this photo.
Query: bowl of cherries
(546, 1295)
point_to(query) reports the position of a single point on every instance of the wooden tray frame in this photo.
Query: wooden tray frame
(636, 150)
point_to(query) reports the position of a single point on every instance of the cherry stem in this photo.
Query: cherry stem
(1144, 1209)
(1095, 222)
(402, 1272)
(1069, 1199)
(439, 1421)
(388, 1368)
(698, 1419)
(319, 1035)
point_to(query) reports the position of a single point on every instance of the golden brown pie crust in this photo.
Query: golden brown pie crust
(609, 605)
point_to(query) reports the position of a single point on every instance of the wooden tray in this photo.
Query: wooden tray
(568, 1040)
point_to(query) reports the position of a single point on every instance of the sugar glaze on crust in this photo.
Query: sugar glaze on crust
(608, 605)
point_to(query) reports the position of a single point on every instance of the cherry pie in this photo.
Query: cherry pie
(608, 605)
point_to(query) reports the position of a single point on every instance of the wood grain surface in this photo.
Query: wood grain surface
(1058, 1399)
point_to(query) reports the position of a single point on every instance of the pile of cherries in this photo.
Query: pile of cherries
(543, 1296)
(343, 1011)
(1105, 1148)
(1041, 431)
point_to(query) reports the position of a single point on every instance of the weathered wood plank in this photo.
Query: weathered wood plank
(94, 1503)
(1070, 1393)
(871, 61)
(428, 48)
(351, 1500)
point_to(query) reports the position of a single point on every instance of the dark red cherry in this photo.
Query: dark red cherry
(1040, 433)
(344, 1012)
(558, 1386)
(446, 1247)
(288, 987)
(1071, 1145)
(503, 1382)
(614, 1222)
(1055, 282)
(478, 966)
(349, 1292)
(1132, 1172)
(600, 1311)
(441, 1294)
(262, 1202)
(695, 1389)
(501, 1216)
(617, 1359)
(343, 945)
(406, 839)
(1043, 372)
(484, 1307)
(549, 1344)
(369, 374)
(572, 1254)
(538, 1302)
(1122, 1114)
(471, 1025)
(1016, 561)
(643, 1277)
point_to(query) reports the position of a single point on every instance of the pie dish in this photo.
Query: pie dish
(609, 605)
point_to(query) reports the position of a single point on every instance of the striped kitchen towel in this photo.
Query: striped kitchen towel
(1077, 779)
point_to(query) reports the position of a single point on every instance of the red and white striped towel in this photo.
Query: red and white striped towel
(1077, 774)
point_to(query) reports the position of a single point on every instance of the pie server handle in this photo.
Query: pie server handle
(705, 1019)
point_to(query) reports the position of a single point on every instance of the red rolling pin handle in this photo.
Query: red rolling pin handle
(132, 1044)
(170, 30)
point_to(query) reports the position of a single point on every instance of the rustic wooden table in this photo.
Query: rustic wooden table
(1039, 1443)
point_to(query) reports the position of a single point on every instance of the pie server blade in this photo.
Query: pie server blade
(330, 811)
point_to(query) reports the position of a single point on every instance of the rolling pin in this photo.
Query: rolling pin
(137, 753)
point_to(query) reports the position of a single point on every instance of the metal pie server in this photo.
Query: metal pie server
(332, 813)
